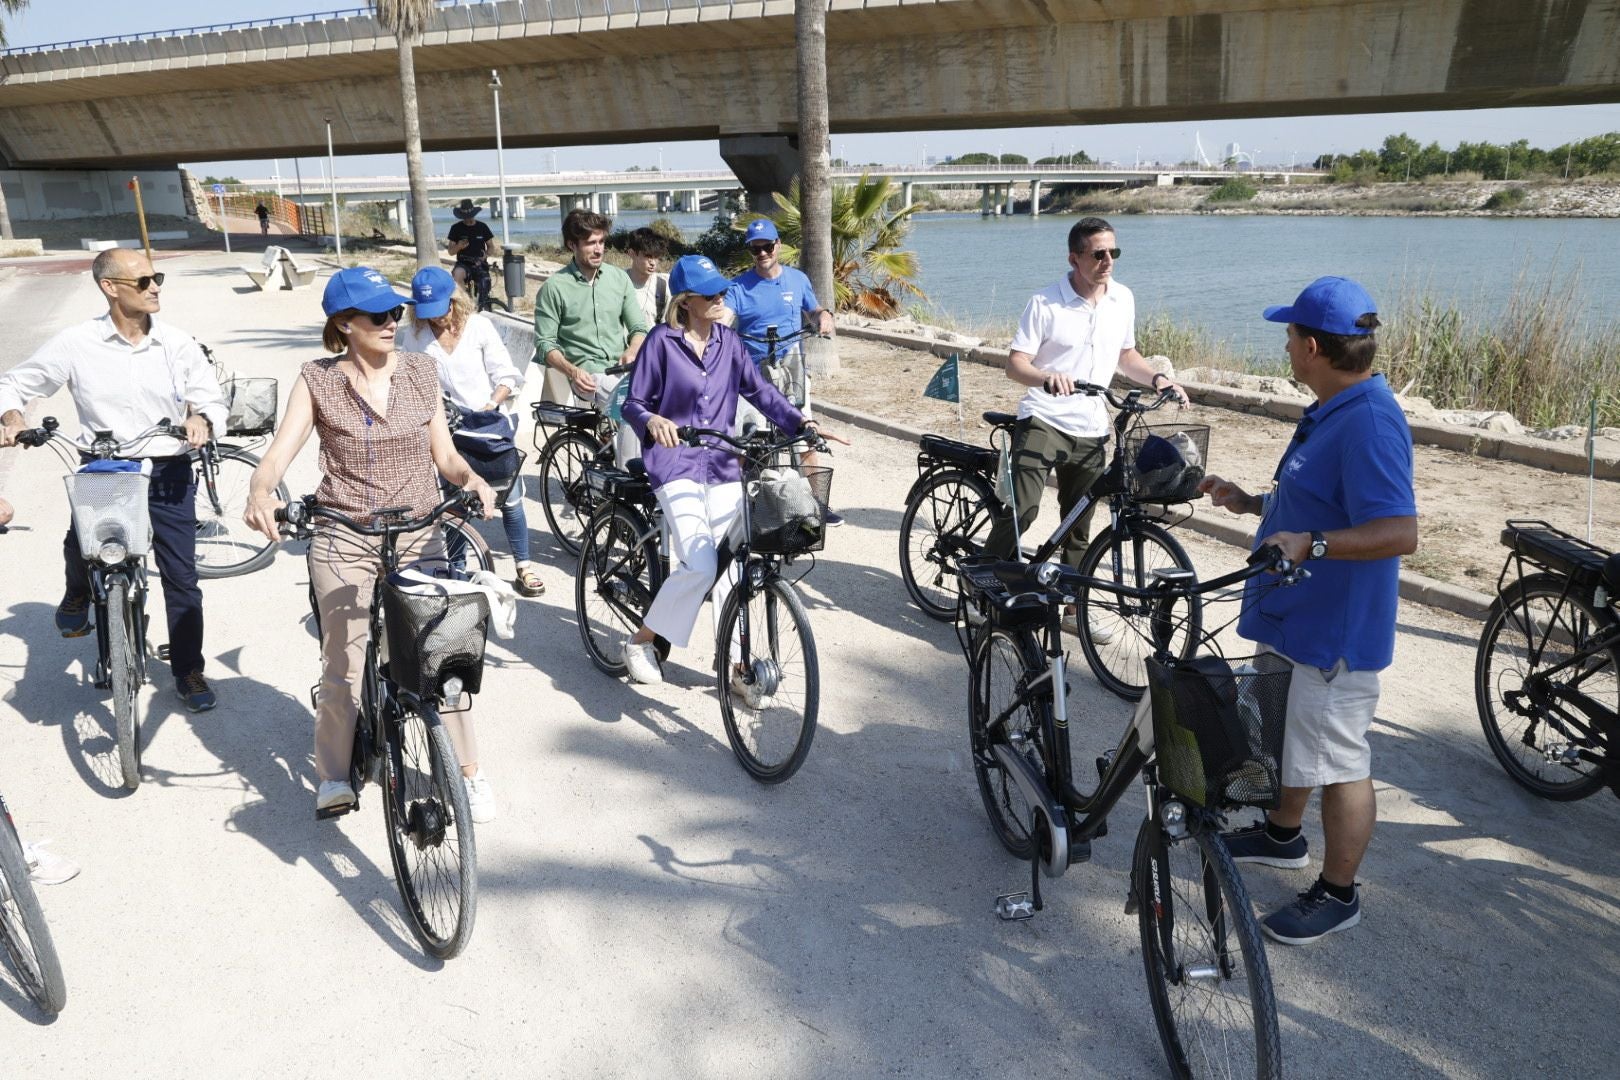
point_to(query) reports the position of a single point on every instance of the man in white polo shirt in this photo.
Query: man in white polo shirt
(1080, 330)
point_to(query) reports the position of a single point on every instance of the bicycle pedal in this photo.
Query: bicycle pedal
(337, 811)
(1015, 907)
(163, 652)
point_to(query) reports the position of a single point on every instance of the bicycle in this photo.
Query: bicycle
(423, 654)
(952, 505)
(1547, 673)
(23, 933)
(1208, 738)
(764, 640)
(226, 547)
(785, 370)
(575, 437)
(477, 281)
(115, 533)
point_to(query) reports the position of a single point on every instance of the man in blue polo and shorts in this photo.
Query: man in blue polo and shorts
(1343, 500)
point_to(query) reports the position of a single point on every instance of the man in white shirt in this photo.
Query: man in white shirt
(126, 371)
(646, 249)
(1080, 330)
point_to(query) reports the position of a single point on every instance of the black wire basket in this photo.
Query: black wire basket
(436, 630)
(1165, 462)
(1218, 728)
(787, 509)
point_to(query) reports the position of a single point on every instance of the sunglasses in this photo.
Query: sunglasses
(761, 249)
(1112, 253)
(383, 318)
(142, 283)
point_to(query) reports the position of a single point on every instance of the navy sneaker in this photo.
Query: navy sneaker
(1313, 915)
(1254, 845)
(832, 519)
(194, 691)
(73, 616)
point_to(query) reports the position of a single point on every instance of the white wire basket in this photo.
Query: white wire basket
(110, 507)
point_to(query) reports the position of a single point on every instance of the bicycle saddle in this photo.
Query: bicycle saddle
(1001, 419)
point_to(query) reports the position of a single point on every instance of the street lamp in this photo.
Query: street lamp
(1408, 157)
(500, 159)
(331, 173)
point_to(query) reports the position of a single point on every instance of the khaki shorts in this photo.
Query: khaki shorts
(1329, 714)
(748, 416)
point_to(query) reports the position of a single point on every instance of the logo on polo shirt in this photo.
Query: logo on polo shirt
(1295, 463)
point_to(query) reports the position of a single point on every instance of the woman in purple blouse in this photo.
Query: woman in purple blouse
(690, 371)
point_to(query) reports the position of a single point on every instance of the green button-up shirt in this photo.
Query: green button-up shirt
(589, 322)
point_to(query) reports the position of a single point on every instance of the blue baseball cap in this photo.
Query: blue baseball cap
(1329, 304)
(360, 288)
(432, 289)
(696, 274)
(761, 229)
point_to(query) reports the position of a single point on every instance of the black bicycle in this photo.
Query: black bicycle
(784, 368)
(424, 656)
(1208, 738)
(568, 438)
(1547, 674)
(478, 278)
(226, 546)
(953, 504)
(765, 655)
(23, 932)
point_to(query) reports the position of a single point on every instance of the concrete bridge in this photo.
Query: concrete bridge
(599, 71)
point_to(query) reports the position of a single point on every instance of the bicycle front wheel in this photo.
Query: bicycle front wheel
(1206, 965)
(563, 493)
(770, 685)
(949, 515)
(1117, 633)
(1530, 628)
(1000, 659)
(619, 574)
(464, 548)
(226, 546)
(430, 831)
(123, 671)
(23, 933)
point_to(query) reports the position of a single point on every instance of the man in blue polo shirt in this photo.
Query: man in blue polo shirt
(1342, 499)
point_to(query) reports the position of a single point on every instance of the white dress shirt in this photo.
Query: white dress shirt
(121, 387)
(1070, 336)
(480, 363)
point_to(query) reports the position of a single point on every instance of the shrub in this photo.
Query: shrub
(1506, 199)
(1236, 189)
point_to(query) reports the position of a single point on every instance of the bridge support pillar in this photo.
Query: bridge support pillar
(665, 199)
(1009, 210)
(1034, 198)
(565, 203)
(399, 213)
(764, 163)
(905, 194)
(607, 203)
(984, 200)
(515, 207)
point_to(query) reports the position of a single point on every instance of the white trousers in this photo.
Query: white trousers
(698, 519)
(557, 388)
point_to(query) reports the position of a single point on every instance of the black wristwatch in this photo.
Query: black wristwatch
(1318, 546)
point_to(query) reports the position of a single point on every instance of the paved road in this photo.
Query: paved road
(647, 910)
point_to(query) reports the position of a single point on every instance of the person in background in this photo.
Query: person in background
(471, 242)
(478, 377)
(264, 219)
(646, 250)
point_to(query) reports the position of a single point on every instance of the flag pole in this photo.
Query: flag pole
(961, 432)
(1591, 467)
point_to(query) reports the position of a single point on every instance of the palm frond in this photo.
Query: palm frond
(404, 18)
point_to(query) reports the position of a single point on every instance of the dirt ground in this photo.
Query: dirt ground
(1462, 500)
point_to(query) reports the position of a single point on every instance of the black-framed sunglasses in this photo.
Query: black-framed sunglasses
(761, 249)
(142, 283)
(1112, 253)
(383, 318)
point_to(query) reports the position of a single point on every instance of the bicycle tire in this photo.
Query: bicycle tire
(1203, 956)
(430, 831)
(1000, 659)
(125, 678)
(24, 935)
(771, 736)
(1528, 607)
(1135, 629)
(226, 547)
(475, 553)
(563, 493)
(948, 514)
(615, 583)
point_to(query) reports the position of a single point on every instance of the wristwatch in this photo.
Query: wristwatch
(1318, 546)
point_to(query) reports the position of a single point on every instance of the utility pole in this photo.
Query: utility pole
(331, 173)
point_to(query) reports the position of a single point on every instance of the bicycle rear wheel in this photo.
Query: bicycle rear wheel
(123, 672)
(430, 831)
(1205, 962)
(226, 546)
(770, 707)
(619, 574)
(563, 493)
(1000, 659)
(1531, 627)
(949, 515)
(23, 934)
(1134, 629)
(464, 547)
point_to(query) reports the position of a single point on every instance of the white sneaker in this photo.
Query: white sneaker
(334, 794)
(1100, 634)
(642, 661)
(480, 797)
(47, 867)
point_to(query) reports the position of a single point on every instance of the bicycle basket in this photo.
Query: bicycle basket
(787, 509)
(110, 507)
(436, 629)
(1165, 462)
(252, 405)
(1218, 728)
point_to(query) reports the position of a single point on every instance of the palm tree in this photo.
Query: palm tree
(405, 19)
(8, 7)
(810, 36)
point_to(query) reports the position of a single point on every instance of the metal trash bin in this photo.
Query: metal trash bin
(512, 267)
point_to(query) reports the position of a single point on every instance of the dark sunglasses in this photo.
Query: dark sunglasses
(1112, 253)
(383, 318)
(142, 283)
(716, 296)
(760, 249)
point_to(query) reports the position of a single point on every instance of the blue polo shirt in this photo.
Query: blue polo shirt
(1350, 462)
(760, 302)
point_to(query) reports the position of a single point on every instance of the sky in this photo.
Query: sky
(1277, 142)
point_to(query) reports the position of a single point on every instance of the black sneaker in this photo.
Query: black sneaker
(832, 519)
(1254, 845)
(1313, 915)
(73, 616)
(194, 691)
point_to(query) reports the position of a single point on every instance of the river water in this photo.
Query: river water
(1218, 272)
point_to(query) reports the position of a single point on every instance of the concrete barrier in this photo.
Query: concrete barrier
(17, 249)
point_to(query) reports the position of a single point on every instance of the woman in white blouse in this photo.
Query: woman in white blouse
(478, 376)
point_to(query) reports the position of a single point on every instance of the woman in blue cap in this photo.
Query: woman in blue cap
(384, 443)
(478, 377)
(691, 371)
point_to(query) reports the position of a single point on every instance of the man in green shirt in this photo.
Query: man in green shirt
(586, 317)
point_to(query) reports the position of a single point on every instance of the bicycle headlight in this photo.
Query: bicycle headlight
(112, 552)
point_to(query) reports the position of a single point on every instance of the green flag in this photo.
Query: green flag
(946, 385)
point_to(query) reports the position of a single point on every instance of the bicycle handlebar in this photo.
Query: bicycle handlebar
(771, 337)
(103, 445)
(299, 516)
(1057, 582)
(691, 435)
(1130, 401)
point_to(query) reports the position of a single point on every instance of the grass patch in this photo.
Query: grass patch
(1511, 198)
(1234, 190)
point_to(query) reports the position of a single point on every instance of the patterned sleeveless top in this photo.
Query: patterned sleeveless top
(371, 462)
